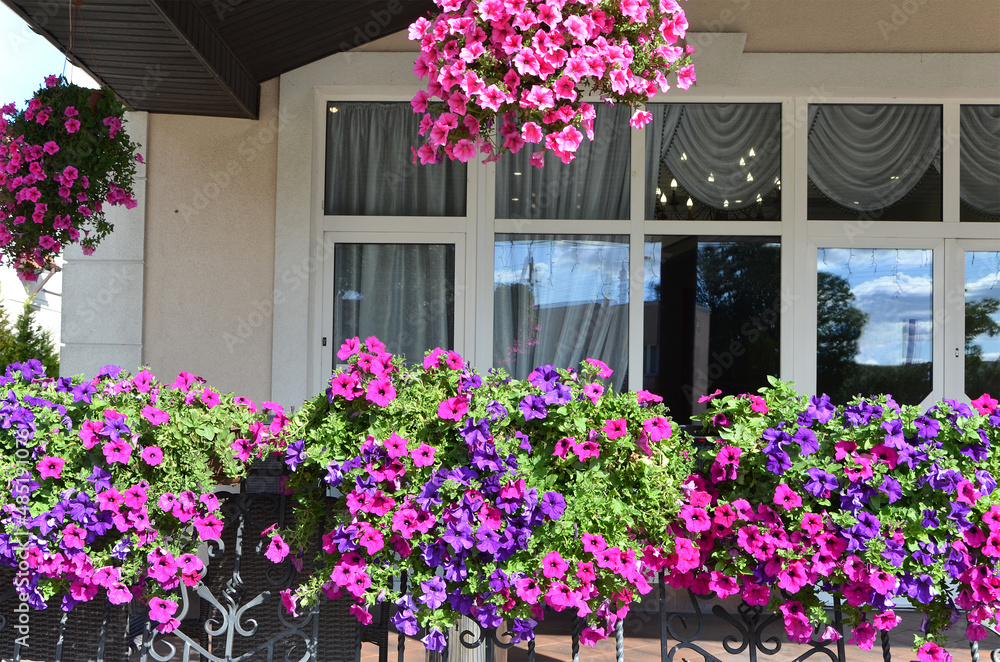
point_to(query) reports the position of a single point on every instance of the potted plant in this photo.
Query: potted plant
(496, 497)
(506, 74)
(871, 501)
(109, 487)
(63, 157)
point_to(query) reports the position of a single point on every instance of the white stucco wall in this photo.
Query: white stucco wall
(209, 247)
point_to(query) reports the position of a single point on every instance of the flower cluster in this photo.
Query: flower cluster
(497, 497)
(504, 74)
(109, 483)
(873, 502)
(62, 158)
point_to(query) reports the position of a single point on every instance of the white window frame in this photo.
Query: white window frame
(298, 364)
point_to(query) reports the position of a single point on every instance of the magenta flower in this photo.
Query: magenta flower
(161, 610)
(381, 392)
(209, 527)
(277, 550)
(51, 467)
(117, 450)
(554, 566)
(209, 398)
(657, 428)
(786, 497)
(453, 409)
(154, 415)
(152, 455)
(615, 428)
(423, 456)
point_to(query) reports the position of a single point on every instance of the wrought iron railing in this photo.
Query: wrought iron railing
(235, 614)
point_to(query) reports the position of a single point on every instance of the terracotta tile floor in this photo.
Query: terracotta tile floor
(642, 644)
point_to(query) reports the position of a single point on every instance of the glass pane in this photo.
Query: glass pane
(874, 162)
(402, 293)
(560, 299)
(980, 155)
(711, 317)
(370, 168)
(874, 329)
(982, 323)
(719, 161)
(594, 185)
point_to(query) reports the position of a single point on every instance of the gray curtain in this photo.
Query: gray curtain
(595, 185)
(402, 293)
(370, 169)
(723, 154)
(869, 157)
(980, 150)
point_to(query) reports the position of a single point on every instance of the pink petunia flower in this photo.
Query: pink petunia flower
(152, 455)
(51, 467)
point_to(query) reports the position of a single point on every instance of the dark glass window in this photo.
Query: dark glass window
(712, 317)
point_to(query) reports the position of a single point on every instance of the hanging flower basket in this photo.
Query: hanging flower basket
(507, 73)
(62, 159)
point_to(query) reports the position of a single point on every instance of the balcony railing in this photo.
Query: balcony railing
(235, 614)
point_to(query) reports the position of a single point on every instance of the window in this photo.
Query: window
(714, 161)
(982, 323)
(879, 162)
(711, 316)
(370, 170)
(594, 185)
(817, 242)
(402, 293)
(980, 170)
(873, 323)
(560, 299)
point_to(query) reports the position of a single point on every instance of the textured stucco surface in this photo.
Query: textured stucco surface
(210, 247)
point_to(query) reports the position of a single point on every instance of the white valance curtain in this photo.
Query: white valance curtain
(595, 185)
(869, 157)
(559, 299)
(723, 154)
(370, 169)
(980, 156)
(402, 293)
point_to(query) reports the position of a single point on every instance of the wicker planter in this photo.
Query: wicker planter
(92, 632)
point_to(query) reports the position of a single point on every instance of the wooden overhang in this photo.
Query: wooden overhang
(207, 57)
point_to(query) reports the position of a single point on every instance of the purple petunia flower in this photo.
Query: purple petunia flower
(433, 553)
(930, 520)
(821, 408)
(434, 640)
(894, 553)
(893, 432)
(820, 481)
(986, 481)
(806, 438)
(496, 411)
(461, 602)
(295, 454)
(334, 474)
(560, 394)
(890, 486)
(475, 433)
(927, 428)
(434, 593)
(523, 439)
(455, 570)
(552, 505)
(533, 406)
(459, 536)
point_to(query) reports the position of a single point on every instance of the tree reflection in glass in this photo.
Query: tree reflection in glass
(874, 323)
